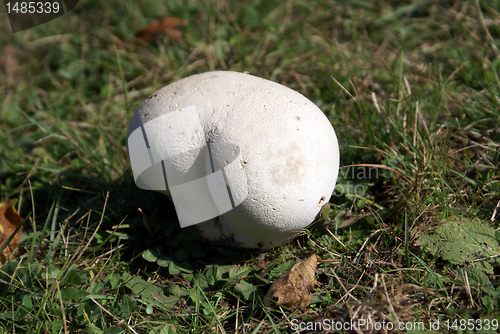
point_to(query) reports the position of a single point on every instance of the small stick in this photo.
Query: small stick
(493, 216)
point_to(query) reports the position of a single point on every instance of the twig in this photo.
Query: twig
(237, 315)
(467, 286)
(389, 300)
(493, 216)
(111, 314)
(347, 292)
(98, 226)
(486, 258)
(146, 224)
(364, 244)
(333, 235)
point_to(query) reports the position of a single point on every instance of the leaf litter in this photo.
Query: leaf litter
(294, 288)
(10, 220)
(168, 26)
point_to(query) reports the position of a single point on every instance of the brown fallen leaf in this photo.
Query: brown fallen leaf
(294, 288)
(166, 26)
(10, 61)
(9, 221)
(262, 261)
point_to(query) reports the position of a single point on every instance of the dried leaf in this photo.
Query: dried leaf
(262, 261)
(10, 62)
(166, 26)
(9, 221)
(294, 288)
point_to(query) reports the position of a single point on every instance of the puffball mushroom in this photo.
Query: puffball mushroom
(248, 160)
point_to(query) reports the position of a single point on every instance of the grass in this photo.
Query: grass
(412, 86)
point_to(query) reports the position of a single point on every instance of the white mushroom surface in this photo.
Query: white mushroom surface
(277, 150)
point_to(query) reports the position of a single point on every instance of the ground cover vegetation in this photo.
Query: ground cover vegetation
(410, 235)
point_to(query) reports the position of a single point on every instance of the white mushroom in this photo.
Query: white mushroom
(252, 159)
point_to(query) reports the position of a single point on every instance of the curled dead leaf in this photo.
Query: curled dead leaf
(9, 222)
(262, 261)
(294, 288)
(166, 26)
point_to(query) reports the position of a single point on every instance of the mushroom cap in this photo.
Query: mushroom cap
(278, 151)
